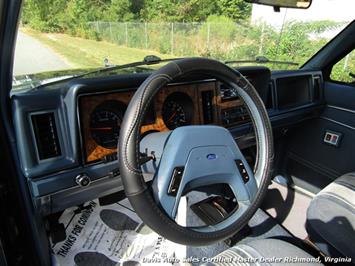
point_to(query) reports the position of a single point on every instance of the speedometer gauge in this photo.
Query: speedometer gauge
(177, 110)
(105, 123)
(174, 115)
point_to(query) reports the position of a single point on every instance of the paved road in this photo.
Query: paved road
(31, 56)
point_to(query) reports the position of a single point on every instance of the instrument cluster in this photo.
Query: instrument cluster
(101, 117)
(106, 119)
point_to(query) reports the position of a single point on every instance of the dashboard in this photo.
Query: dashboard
(66, 131)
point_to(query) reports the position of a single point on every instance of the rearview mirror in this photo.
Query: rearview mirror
(283, 3)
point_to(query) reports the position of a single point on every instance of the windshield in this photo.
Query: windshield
(78, 36)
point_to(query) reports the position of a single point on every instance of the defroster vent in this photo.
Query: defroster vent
(46, 135)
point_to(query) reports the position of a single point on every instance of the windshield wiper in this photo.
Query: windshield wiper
(261, 60)
(148, 60)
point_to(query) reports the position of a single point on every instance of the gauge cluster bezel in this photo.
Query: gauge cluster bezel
(153, 122)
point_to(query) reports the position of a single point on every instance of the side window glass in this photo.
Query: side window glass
(344, 70)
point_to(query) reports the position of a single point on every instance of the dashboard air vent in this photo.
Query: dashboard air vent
(46, 135)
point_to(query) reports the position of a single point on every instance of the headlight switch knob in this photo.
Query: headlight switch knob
(83, 180)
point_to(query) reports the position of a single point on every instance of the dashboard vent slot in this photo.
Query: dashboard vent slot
(207, 106)
(317, 86)
(268, 96)
(227, 93)
(46, 135)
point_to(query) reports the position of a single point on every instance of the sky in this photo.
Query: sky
(336, 10)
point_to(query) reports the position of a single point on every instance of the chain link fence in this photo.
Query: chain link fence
(180, 39)
(223, 41)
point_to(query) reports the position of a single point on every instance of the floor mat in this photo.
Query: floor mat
(288, 207)
(115, 235)
(108, 235)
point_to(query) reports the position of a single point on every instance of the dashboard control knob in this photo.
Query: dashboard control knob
(83, 180)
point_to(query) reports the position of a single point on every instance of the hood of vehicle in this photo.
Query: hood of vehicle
(28, 81)
(34, 80)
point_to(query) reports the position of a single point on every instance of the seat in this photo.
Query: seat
(331, 218)
(264, 252)
(330, 225)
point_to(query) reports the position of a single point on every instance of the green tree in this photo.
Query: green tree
(136, 7)
(43, 15)
(196, 10)
(158, 10)
(120, 10)
(298, 40)
(235, 9)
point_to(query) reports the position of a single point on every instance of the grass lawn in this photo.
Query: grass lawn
(84, 53)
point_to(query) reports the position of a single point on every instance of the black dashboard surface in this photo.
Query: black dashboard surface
(52, 179)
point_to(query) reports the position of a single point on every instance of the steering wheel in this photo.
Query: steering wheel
(194, 156)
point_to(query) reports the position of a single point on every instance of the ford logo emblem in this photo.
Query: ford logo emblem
(211, 156)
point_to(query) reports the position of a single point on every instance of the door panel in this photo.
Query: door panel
(310, 162)
(341, 95)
